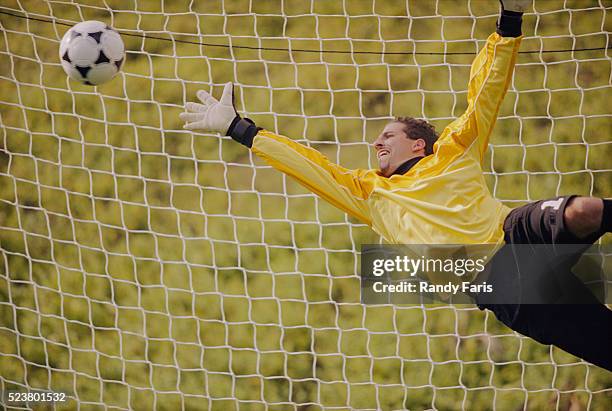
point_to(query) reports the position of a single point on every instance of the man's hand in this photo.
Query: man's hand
(212, 115)
(516, 5)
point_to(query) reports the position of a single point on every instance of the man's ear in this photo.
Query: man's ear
(419, 144)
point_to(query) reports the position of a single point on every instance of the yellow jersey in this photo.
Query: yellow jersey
(443, 199)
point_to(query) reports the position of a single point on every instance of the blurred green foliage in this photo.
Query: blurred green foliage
(146, 267)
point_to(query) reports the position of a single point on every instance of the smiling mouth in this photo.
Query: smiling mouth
(382, 153)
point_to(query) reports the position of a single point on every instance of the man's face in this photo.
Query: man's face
(393, 148)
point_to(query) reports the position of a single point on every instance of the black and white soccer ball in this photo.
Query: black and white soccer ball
(92, 52)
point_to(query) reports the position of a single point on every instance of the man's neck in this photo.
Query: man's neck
(406, 165)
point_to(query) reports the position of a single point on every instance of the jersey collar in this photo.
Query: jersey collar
(407, 165)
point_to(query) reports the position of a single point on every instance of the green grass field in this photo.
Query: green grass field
(145, 267)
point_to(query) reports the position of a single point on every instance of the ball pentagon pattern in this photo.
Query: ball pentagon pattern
(92, 52)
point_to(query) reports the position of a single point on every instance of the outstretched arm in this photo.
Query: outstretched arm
(490, 76)
(343, 188)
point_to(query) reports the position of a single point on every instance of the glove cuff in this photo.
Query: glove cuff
(509, 23)
(243, 130)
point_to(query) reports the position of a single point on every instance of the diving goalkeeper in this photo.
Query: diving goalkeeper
(430, 189)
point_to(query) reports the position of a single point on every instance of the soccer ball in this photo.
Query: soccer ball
(92, 52)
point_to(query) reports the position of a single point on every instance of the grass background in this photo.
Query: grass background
(146, 267)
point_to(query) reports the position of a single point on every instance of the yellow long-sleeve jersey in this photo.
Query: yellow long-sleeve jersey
(444, 198)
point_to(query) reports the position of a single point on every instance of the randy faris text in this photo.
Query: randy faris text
(425, 287)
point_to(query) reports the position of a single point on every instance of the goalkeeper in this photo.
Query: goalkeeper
(430, 189)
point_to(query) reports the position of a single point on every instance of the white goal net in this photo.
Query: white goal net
(146, 267)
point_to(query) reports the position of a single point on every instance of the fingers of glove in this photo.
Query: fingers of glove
(227, 98)
(196, 107)
(190, 117)
(206, 98)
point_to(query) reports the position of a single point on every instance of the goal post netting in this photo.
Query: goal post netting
(143, 266)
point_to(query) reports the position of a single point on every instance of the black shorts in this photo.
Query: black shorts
(570, 316)
(535, 264)
(540, 222)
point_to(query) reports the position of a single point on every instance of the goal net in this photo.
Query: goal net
(147, 267)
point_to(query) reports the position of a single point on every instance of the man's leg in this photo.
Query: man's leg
(580, 329)
(587, 217)
(584, 330)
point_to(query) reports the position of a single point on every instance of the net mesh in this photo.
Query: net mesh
(145, 267)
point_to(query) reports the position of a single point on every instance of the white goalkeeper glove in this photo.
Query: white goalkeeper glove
(219, 116)
(212, 115)
(516, 5)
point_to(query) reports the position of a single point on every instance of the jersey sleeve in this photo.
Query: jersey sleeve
(343, 188)
(490, 76)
